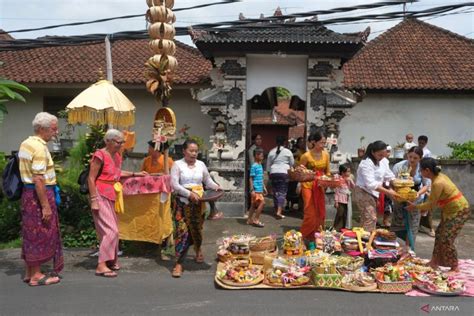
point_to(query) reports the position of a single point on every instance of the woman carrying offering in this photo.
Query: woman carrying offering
(104, 175)
(371, 174)
(454, 213)
(154, 164)
(316, 159)
(187, 177)
(279, 160)
(405, 224)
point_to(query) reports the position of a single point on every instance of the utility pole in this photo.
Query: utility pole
(108, 58)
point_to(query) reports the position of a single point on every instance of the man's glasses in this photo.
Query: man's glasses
(119, 142)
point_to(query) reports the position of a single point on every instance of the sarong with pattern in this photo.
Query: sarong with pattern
(188, 224)
(41, 240)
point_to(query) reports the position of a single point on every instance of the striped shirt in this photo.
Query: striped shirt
(35, 159)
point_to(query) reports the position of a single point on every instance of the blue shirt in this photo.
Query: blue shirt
(256, 172)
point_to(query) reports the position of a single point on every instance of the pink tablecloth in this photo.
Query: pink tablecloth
(146, 185)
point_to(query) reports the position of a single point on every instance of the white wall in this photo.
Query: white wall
(389, 117)
(266, 71)
(17, 124)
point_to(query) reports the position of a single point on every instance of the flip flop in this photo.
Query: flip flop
(43, 281)
(258, 224)
(107, 274)
(218, 215)
(278, 216)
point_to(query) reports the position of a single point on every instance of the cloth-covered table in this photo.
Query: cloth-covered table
(147, 215)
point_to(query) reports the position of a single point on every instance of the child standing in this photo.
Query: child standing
(341, 196)
(257, 189)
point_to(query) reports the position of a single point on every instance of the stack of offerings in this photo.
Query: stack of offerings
(384, 245)
(293, 243)
(328, 241)
(354, 241)
(236, 249)
(403, 186)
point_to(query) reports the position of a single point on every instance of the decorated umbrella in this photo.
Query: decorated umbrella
(102, 103)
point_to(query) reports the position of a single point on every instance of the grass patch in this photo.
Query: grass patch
(15, 243)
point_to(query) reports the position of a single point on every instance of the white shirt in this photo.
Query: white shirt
(426, 152)
(183, 177)
(407, 146)
(280, 163)
(371, 176)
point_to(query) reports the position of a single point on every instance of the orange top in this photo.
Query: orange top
(311, 163)
(159, 167)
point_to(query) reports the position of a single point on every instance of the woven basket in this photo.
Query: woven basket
(225, 258)
(334, 183)
(258, 257)
(299, 175)
(395, 287)
(263, 244)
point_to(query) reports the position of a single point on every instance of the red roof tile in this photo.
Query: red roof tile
(413, 55)
(80, 64)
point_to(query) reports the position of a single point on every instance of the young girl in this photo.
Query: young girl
(341, 197)
(257, 189)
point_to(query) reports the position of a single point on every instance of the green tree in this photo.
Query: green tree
(9, 92)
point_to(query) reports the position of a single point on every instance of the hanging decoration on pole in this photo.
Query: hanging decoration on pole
(161, 68)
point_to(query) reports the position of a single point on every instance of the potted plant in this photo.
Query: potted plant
(361, 149)
(398, 151)
(65, 136)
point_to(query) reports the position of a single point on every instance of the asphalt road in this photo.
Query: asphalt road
(81, 293)
(145, 287)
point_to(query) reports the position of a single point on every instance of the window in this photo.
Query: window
(55, 104)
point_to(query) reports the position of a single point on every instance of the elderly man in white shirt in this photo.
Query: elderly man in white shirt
(371, 174)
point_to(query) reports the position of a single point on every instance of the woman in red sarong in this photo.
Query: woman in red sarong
(316, 159)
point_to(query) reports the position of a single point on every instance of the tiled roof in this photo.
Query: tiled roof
(279, 34)
(413, 55)
(80, 64)
(5, 36)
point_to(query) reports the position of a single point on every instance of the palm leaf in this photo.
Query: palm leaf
(14, 85)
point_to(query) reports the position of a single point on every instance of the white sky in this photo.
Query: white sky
(15, 14)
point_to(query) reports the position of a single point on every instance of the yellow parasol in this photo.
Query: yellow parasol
(102, 103)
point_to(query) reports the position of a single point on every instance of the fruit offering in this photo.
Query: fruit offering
(359, 279)
(239, 274)
(291, 276)
(392, 273)
(293, 243)
(439, 282)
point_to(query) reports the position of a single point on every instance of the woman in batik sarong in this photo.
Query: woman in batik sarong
(188, 176)
(41, 239)
(454, 213)
(406, 223)
(104, 176)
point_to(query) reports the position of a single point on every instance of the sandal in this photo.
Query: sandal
(258, 224)
(279, 216)
(107, 274)
(177, 271)
(199, 258)
(218, 215)
(114, 267)
(43, 281)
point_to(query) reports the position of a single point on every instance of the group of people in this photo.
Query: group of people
(371, 188)
(374, 171)
(41, 198)
(190, 176)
